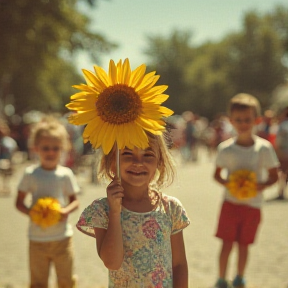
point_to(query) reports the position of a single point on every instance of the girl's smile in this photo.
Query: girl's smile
(138, 166)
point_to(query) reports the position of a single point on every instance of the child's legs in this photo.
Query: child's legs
(63, 259)
(242, 259)
(39, 264)
(227, 231)
(250, 220)
(224, 257)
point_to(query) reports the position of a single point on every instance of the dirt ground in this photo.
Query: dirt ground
(201, 196)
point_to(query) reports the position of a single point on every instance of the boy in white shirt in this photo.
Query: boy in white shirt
(239, 219)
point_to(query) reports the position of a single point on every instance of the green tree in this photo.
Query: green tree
(204, 78)
(257, 55)
(207, 79)
(170, 56)
(38, 39)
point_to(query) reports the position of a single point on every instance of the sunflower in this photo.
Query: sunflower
(119, 106)
(242, 184)
(45, 212)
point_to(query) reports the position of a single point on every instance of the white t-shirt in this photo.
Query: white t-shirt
(60, 184)
(259, 158)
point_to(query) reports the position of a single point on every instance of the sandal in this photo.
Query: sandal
(238, 282)
(221, 283)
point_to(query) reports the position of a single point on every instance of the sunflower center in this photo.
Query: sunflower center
(119, 104)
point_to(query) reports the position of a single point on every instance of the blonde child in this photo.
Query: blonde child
(239, 220)
(49, 179)
(138, 229)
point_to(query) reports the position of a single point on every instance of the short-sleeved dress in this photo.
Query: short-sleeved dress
(146, 236)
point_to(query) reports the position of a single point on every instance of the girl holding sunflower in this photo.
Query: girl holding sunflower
(251, 165)
(138, 229)
(53, 189)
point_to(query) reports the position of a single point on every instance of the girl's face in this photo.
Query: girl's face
(137, 166)
(49, 152)
(243, 121)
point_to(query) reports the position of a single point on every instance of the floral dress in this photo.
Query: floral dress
(147, 259)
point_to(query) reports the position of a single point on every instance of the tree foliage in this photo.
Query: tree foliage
(203, 78)
(38, 39)
(170, 57)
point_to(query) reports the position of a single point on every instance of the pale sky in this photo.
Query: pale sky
(126, 22)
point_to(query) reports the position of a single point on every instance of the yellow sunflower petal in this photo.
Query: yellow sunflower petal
(98, 104)
(159, 99)
(126, 74)
(148, 124)
(80, 105)
(137, 76)
(90, 128)
(82, 118)
(166, 112)
(119, 71)
(108, 138)
(154, 91)
(83, 95)
(112, 72)
(142, 137)
(98, 139)
(147, 80)
(102, 75)
(83, 87)
(92, 80)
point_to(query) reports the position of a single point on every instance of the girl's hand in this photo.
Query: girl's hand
(115, 195)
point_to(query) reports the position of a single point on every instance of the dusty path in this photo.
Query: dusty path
(268, 263)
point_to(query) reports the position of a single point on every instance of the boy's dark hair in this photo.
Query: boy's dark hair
(243, 101)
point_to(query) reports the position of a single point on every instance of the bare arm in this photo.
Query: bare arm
(218, 177)
(20, 203)
(72, 206)
(109, 242)
(272, 179)
(179, 261)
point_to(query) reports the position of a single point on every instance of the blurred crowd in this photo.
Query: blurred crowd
(190, 132)
(15, 147)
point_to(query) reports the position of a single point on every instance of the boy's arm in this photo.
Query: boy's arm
(179, 261)
(72, 206)
(272, 179)
(20, 203)
(218, 177)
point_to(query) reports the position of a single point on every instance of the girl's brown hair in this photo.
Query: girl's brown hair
(166, 167)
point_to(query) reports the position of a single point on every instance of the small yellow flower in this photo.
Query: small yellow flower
(242, 184)
(119, 106)
(46, 212)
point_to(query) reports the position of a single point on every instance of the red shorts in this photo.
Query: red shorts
(238, 223)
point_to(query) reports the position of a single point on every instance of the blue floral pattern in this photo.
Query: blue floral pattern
(147, 247)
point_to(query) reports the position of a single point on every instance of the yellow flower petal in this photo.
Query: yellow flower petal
(92, 80)
(102, 76)
(82, 118)
(119, 106)
(126, 72)
(137, 76)
(113, 72)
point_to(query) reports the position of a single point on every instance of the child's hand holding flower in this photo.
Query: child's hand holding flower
(46, 212)
(115, 195)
